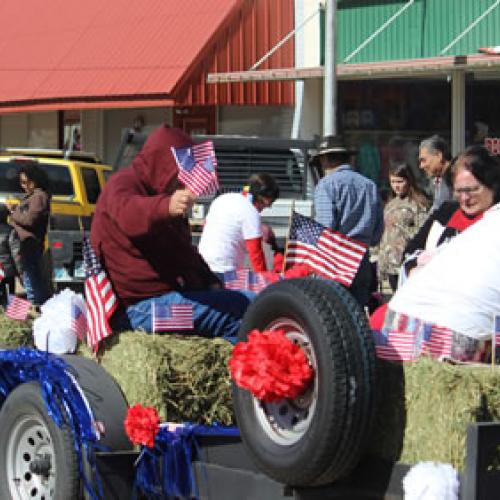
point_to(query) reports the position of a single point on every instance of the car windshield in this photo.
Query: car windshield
(59, 178)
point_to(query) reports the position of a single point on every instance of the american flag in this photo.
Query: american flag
(197, 167)
(439, 341)
(496, 330)
(329, 253)
(171, 317)
(257, 281)
(17, 308)
(245, 279)
(395, 345)
(78, 321)
(236, 280)
(99, 295)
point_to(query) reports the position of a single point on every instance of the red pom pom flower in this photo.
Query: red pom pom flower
(270, 366)
(142, 425)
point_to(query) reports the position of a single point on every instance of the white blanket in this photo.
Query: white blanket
(460, 287)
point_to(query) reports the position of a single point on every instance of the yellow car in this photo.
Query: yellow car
(76, 180)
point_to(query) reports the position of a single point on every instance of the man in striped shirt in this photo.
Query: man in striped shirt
(349, 203)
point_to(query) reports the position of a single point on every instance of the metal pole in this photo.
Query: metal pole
(330, 85)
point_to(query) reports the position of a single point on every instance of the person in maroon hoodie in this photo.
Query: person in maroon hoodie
(141, 234)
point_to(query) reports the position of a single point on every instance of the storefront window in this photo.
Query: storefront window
(481, 118)
(386, 121)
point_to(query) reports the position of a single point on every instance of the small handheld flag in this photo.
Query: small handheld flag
(245, 279)
(329, 253)
(171, 317)
(78, 321)
(17, 308)
(99, 295)
(197, 168)
(495, 338)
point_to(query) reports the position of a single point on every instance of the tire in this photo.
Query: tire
(361, 366)
(319, 437)
(37, 458)
(106, 399)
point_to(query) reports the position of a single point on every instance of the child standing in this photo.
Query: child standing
(403, 215)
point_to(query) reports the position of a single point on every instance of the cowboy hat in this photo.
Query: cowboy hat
(331, 144)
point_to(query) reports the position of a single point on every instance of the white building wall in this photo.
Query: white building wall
(92, 130)
(270, 121)
(14, 130)
(42, 130)
(34, 130)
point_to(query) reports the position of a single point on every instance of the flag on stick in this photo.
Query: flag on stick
(197, 168)
(171, 317)
(495, 338)
(17, 308)
(395, 345)
(245, 279)
(78, 321)
(236, 280)
(329, 253)
(99, 295)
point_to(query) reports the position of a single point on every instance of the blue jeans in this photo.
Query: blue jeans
(37, 290)
(216, 313)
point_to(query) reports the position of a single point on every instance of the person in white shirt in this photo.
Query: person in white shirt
(233, 226)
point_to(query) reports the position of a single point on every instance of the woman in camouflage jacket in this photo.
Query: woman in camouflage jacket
(403, 216)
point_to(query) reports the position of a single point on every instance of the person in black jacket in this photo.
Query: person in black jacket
(476, 187)
(8, 267)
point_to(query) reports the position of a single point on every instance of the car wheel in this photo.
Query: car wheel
(37, 458)
(320, 436)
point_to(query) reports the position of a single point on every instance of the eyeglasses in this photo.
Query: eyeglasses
(467, 190)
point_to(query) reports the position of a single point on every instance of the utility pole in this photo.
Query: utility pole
(330, 80)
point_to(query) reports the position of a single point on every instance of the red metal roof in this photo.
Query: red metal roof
(55, 51)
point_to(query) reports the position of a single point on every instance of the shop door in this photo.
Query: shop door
(195, 120)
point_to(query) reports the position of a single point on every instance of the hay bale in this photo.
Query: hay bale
(184, 378)
(15, 333)
(430, 421)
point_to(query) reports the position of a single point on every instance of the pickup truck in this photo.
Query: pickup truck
(76, 180)
(287, 160)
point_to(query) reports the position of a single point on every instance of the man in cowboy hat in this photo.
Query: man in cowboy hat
(349, 203)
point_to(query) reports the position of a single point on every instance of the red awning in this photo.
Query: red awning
(73, 54)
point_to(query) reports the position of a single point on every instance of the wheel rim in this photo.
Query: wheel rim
(31, 468)
(287, 421)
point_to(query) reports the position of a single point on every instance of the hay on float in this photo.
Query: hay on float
(423, 411)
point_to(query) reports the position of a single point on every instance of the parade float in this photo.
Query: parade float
(66, 420)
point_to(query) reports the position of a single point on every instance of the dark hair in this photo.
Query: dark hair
(4, 213)
(483, 165)
(263, 185)
(37, 175)
(414, 193)
(436, 144)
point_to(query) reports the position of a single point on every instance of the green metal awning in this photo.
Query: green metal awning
(386, 30)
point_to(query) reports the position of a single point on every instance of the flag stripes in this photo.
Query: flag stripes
(245, 279)
(78, 321)
(440, 342)
(171, 317)
(99, 295)
(197, 167)
(17, 308)
(404, 338)
(329, 253)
